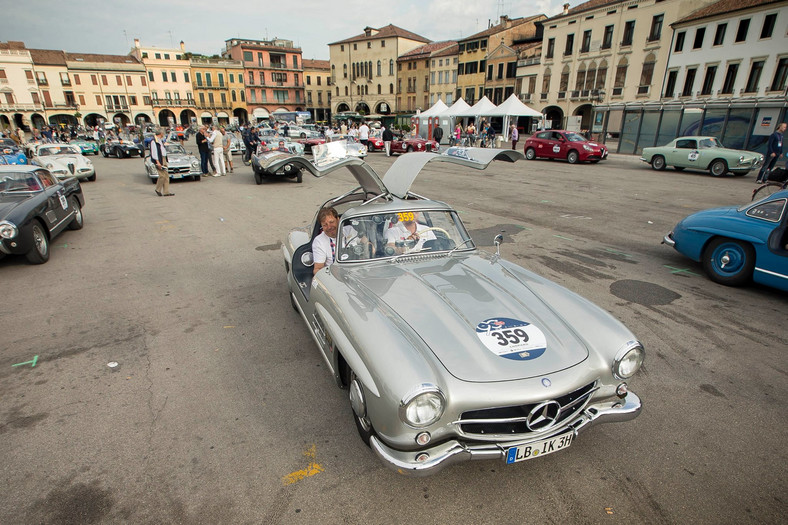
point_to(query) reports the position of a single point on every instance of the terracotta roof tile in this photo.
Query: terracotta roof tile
(315, 64)
(514, 22)
(725, 6)
(94, 57)
(453, 49)
(426, 50)
(48, 57)
(388, 31)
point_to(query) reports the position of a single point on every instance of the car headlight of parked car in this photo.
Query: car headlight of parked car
(8, 230)
(628, 360)
(195, 164)
(587, 147)
(422, 407)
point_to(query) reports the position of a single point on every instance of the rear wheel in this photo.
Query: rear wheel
(658, 162)
(718, 168)
(370, 147)
(105, 151)
(39, 254)
(299, 177)
(729, 261)
(76, 223)
(530, 154)
(572, 157)
(408, 149)
(120, 153)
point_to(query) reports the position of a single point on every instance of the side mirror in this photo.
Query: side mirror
(497, 241)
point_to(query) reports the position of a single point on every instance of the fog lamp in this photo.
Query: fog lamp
(423, 438)
(621, 391)
(421, 458)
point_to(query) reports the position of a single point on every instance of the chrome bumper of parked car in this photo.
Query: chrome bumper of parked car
(668, 239)
(450, 452)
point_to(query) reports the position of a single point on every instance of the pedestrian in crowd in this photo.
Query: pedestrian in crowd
(343, 129)
(228, 155)
(21, 134)
(514, 134)
(158, 155)
(437, 134)
(363, 134)
(388, 136)
(286, 130)
(217, 142)
(774, 150)
(202, 147)
(490, 132)
(470, 131)
(457, 134)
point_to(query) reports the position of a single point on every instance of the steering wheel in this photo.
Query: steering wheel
(434, 228)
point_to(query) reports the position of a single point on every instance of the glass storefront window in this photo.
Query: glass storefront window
(668, 127)
(713, 122)
(690, 121)
(648, 130)
(629, 132)
(737, 129)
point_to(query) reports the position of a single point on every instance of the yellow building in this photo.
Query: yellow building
(443, 74)
(363, 69)
(218, 90)
(21, 105)
(414, 74)
(473, 52)
(317, 85)
(169, 81)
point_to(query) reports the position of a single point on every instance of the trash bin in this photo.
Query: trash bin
(499, 141)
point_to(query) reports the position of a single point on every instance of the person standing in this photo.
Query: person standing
(363, 134)
(158, 155)
(228, 155)
(437, 134)
(217, 141)
(202, 147)
(514, 133)
(457, 134)
(388, 136)
(774, 150)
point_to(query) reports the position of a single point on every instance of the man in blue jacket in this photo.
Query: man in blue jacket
(774, 150)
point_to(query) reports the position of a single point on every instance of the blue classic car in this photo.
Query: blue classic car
(10, 153)
(737, 245)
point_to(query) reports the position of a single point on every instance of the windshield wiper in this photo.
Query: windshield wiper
(413, 252)
(458, 246)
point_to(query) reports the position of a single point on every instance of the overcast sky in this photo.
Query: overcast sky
(110, 26)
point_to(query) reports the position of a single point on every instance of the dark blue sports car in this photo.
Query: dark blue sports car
(739, 245)
(10, 153)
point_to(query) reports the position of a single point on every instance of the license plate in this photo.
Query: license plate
(539, 448)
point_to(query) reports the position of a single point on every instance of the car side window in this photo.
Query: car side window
(47, 179)
(545, 135)
(557, 136)
(771, 211)
(686, 144)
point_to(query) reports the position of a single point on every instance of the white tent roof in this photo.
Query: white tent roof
(460, 107)
(483, 108)
(438, 108)
(514, 108)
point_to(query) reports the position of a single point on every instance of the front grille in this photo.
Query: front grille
(181, 169)
(513, 419)
(428, 146)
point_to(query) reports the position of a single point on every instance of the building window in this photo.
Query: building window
(647, 74)
(730, 79)
(143, 81)
(172, 76)
(656, 28)
(570, 42)
(150, 76)
(166, 56)
(670, 85)
(146, 100)
(224, 98)
(563, 84)
(262, 77)
(198, 79)
(158, 56)
(208, 80)
(81, 99)
(780, 73)
(629, 33)
(281, 95)
(64, 80)
(741, 33)
(186, 76)
(679, 47)
(132, 100)
(104, 80)
(98, 100)
(221, 79)
(768, 25)
(621, 78)
(295, 61)
(581, 79)
(550, 48)
(607, 39)
(251, 78)
(128, 80)
(719, 35)
(94, 80)
(248, 56)
(699, 34)
(708, 80)
(755, 77)
(586, 47)
(164, 76)
(689, 81)
(118, 80)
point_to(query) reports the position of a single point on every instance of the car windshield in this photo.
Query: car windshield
(8, 143)
(175, 149)
(574, 137)
(391, 234)
(709, 143)
(57, 150)
(15, 181)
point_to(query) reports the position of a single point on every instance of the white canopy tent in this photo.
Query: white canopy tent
(436, 109)
(513, 107)
(460, 107)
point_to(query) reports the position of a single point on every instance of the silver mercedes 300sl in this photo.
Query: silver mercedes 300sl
(450, 353)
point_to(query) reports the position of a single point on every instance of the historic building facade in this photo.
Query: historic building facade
(443, 74)
(317, 86)
(415, 76)
(218, 90)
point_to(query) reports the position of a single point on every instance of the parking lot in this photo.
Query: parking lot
(221, 410)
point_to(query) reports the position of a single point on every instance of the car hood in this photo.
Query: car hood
(63, 160)
(9, 201)
(453, 304)
(179, 158)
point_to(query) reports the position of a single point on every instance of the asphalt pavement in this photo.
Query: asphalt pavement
(221, 410)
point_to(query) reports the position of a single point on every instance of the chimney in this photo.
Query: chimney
(183, 46)
(566, 9)
(504, 21)
(136, 42)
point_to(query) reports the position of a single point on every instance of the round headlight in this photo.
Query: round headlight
(423, 407)
(8, 230)
(628, 360)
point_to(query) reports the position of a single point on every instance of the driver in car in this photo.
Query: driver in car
(408, 234)
(324, 246)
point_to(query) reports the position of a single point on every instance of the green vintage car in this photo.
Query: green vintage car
(88, 147)
(702, 153)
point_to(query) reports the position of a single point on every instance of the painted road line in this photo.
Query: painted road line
(32, 362)
(680, 270)
(562, 237)
(617, 252)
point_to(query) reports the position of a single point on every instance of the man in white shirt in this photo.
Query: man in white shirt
(363, 134)
(408, 235)
(217, 140)
(158, 156)
(324, 246)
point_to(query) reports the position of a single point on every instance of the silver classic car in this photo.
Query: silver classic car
(180, 164)
(449, 353)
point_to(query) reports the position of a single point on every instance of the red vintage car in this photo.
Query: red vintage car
(308, 143)
(561, 144)
(399, 145)
(375, 143)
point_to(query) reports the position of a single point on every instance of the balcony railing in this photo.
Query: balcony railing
(21, 107)
(60, 105)
(173, 103)
(214, 105)
(117, 107)
(43, 82)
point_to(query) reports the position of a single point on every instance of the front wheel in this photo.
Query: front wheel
(530, 154)
(718, 168)
(359, 405)
(92, 178)
(658, 162)
(76, 223)
(105, 152)
(408, 149)
(299, 177)
(764, 190)
(729, 261)
(39, 254)
(370, 147)
(120, 153)
(258, 178)
(572, 157)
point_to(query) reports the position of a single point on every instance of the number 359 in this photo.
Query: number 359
(505, 337)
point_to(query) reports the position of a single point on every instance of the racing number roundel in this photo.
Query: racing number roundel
(512, 338)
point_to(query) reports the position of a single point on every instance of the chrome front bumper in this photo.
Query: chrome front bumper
(668, 239)
(450, 452)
